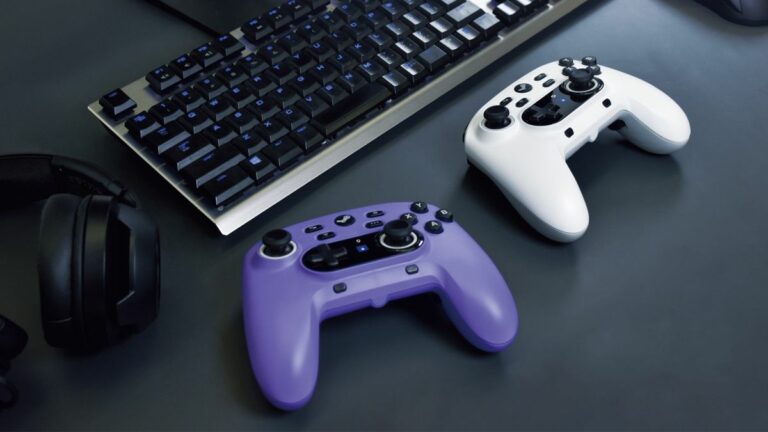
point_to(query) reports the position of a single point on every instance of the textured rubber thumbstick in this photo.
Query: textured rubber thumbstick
(398, 232)
(277, 243)
(496, 117)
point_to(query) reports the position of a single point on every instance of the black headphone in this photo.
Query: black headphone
(98, 260)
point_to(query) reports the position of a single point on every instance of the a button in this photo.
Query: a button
(540, 77)
(339, 287)
(374, 224)
(344, 220)
(595, 70)
(523, 88)
(374, 214)
(566, 62)
(419, 207)
(589, 61)
(444, 215)
(568, 71)
(549, 83)
(410, 218)
(326, 236)
(412, 269)
(313, 228)
(506, 101)
(433, 227)
(521, 102)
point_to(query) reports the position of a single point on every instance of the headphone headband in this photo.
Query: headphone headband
(26, 178)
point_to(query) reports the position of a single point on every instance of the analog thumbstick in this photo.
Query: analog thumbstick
(397, 233)
(497, 117)
(277, 243)
(581, 79)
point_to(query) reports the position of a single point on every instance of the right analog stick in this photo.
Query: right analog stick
(397, 233)
(277, 243)
(497, 117)
(581, 79)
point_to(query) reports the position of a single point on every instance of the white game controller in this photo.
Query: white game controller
(522, 137)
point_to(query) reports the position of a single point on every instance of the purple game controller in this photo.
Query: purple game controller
(301, 275)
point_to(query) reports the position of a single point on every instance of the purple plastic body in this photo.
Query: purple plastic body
(284, 302)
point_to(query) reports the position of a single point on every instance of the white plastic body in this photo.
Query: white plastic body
(528, 162)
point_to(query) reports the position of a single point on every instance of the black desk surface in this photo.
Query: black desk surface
(655, 319)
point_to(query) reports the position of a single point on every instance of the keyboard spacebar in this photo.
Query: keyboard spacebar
(351, 108)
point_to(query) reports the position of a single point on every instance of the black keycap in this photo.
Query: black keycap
(256, 30)
(219, 134)
(227, 185)
(284, 96)
(162, 79)
(324, 73)
(348, 12)
(185, 67)
(414, 70)
(188, 151)
(469, 35)
(361, 52)
(116, 103)
(292, 117)
(166, 137)
(141, 125)
(332, 93)
(307, 137)
(371, 70)
(303, 61)
(228, 45)
(379, 40)
(260, 85)
(317, 5)
(188, 99)
(271, 130)
(312, 105)
(431, 10)
(264, 108)
(424, 37)
(453, 46)
(277, 18)
(488, 25)
(398, 30)
(231, 76)
(508, 12)
(296, 9)
(206, 55)
(281, 73)
(212, 165)
(395, 82)
(283, 152)
(415, 20)
(209, 87)
(166, 112)
(433, 58)
(249, 143)
(356, 30)
(330, 22)
(304, 85)
(411, 4)
(464, 13)
(393, 9)
(273, 53)
(239, 96)
(218, 108)
(351, 108)
(407, 48)
(352, 81)
(241, 121)
(442, 27)
(339, 40)
(450, 4)
(389, 59)
(251, 65)
(321, 51)
(258, 167)
(195, 121)
(367, 5)
(343, 62)
(312, 32)
(376, 19)
(292, 43)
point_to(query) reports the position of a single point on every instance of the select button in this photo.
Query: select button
(412, 269)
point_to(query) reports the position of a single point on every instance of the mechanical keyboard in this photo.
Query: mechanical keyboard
(243, 121)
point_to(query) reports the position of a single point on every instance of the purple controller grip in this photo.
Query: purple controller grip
(284, 302)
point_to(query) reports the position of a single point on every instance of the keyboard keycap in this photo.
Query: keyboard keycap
(304, 85)
(469, 35)
(393, 9)
(357, 30)
(348, 12)
(351, 108)
(239, 96)
(277, 18)
(271, 130)
(249, 143)
(453, 46)
(251, 65)
(312, 32)
(283, 152)
(379, 41)
(361, 52)
(219, 134)
(231, 76)
(321, 51)
(296, 9)
(258, 167)
(166, 112)
(330, 22)
(217, 109)
(376, 19)
(398, 30)
(488, 25)
(307, 137)
(352, 81)
(185, 67)
(195, 121)
(442, 27)
(162, 79)
(367, 5)
(343, 62)
(389, 59)
(228, 45)
(209, 87)
(141, 125)
(260, 85)
(166, 137)
(188, 151)
(264, 108)
(212, 164)
(206, 55)
(256, 30)
(292, 117)
(424, 37)
(395, 82)
(464, 13)
(332, 93)
(413, 70)
(281, 73)
(433, 58)
(323, 73)
(509, 12)
(292, 43)
(371, 70)
(312, 105)
(284, 96)
(273, 53)
(116, 103)
(241, 121)
(407, 48)
(188, 100)
(303, 61)
(415, 20)
(227, 185)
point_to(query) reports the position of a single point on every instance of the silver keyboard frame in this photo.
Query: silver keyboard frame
(272, 193)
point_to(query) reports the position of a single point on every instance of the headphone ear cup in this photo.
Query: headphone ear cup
(58, 274)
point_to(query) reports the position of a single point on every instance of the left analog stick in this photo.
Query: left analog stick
(277, 243)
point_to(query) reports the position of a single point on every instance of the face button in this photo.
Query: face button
(339, 288)
(506, 101)
(398, 234)
(374, 224)
(595, 70)
(277, 243)
(589, 61)
(433, 227)
(410, 218)
(540, 77)
(324, 254)
(549, 83)
(566, 62)
(374, 214)
(326, 236)
(521, 102)
(344, 220)
(523, 88)
(444, 215)
(568, 71)
(412, 269)
(419, 207)
(313, 228)
(497, 117)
